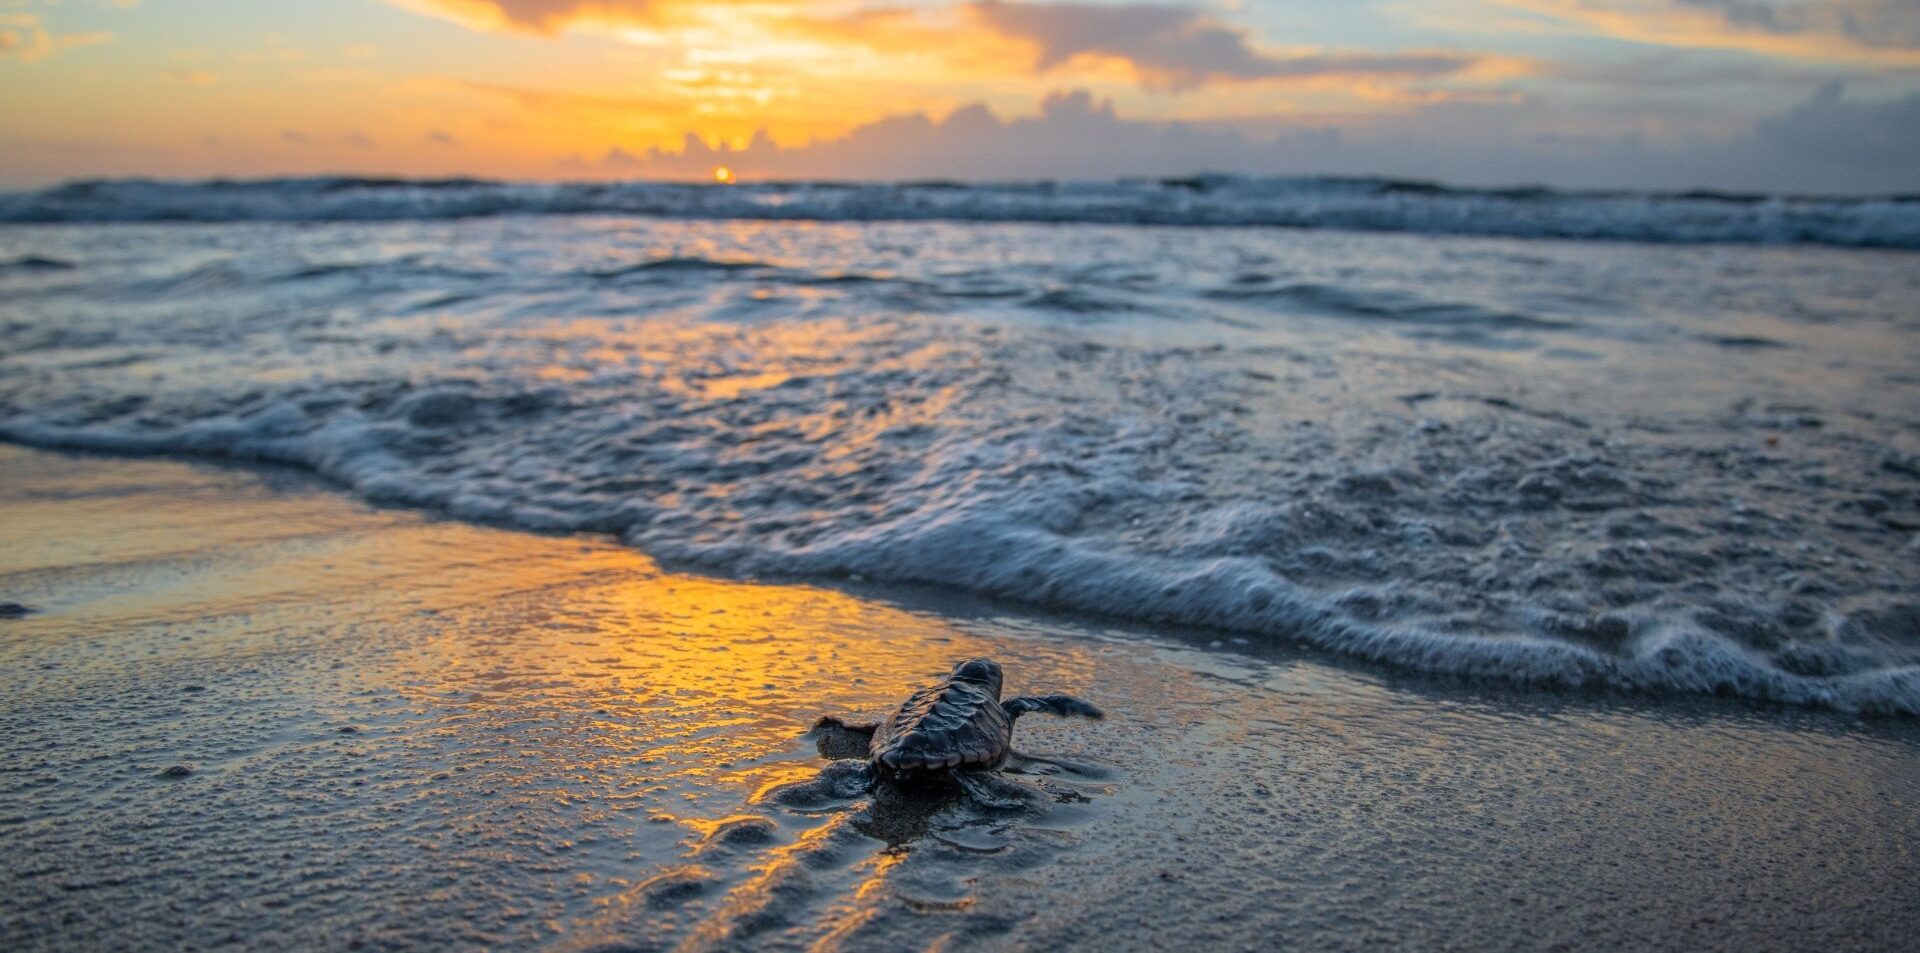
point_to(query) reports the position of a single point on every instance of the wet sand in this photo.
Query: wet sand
(253, 713)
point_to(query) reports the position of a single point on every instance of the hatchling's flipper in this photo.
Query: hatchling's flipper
(1062, 705)
(837, 739)
(849, 778)
(832, 788)
(982, 789)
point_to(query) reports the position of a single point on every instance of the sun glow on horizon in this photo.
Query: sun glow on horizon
(1481, 90)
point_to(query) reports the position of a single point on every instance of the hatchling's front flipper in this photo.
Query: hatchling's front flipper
(837, 739)
(1062, 705)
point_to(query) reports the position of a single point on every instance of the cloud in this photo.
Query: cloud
(1856, 33)
(1829, 130)
(441, 138)
(1166, 46)
(1074, 134)
(1826, 144)
(24, 36)
(1180, 47)
(293, 137)
(1881, 23)
(1663, 70)
(551, 16)
(618, 158)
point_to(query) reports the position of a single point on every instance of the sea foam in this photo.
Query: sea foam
(1490, 458)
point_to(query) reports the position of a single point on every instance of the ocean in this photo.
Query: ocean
(1663, 443)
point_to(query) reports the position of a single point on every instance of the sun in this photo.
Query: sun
(722, 175)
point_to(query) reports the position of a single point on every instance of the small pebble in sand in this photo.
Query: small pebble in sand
(177, 771)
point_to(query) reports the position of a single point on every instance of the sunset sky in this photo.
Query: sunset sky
(1813, 95)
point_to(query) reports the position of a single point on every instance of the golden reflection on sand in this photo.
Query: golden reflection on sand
(556, 737)
(574, 674)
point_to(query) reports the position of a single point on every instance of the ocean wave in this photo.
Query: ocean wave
(1263, 433)
(1379, 305)
(1012, 545)
(1212, 201)
(34, 264)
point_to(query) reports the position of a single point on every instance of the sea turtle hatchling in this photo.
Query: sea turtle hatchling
(947, 732)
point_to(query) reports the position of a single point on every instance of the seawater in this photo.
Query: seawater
(1673, 465)
(1356, 204)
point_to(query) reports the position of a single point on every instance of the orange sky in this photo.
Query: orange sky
(584, 88)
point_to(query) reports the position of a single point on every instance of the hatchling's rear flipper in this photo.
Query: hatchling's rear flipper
(848, 778)
(988, 792)
(1062, 705)
(837, 739)
(832, 788)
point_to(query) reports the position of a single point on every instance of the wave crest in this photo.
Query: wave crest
(1385, 205)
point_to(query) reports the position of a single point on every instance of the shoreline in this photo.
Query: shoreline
(557, 744)
(1877, 697)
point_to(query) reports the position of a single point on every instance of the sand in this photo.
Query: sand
(250, 712)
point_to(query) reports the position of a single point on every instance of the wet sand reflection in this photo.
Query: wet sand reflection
(396, 732)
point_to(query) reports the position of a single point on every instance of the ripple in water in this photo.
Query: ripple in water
(1546, 462)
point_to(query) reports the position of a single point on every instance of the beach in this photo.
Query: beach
(250, 711)
(629, 476)
(419, 565)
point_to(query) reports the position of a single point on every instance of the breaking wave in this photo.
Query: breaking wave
(1360, 204)
(1464, 456)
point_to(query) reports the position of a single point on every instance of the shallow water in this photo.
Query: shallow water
(1691, 468)
(400, 732)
